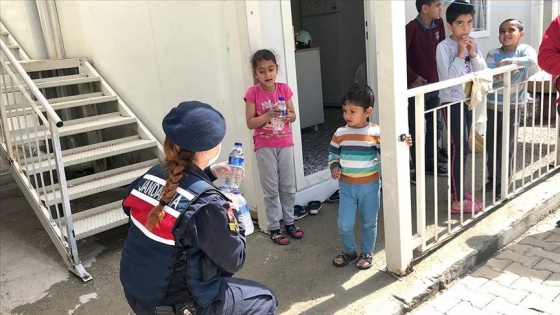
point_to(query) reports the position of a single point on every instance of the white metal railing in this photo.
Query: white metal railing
(535, 154)
(31, 141)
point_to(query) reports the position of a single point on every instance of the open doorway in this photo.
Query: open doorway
(330, 57)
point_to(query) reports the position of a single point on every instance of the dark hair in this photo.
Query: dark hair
(359, 94)
(420, 3)
(457, 8)
(516, 22)
(263, 54)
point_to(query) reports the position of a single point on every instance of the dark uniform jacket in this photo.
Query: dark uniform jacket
(185, 257)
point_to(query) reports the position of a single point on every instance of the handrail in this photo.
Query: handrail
(42, 100)
(456, 81)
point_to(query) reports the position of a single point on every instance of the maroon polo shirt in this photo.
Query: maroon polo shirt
(421, 43)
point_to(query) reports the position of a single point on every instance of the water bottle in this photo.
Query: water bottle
(278, 124)
(243, 215)
(235, 162)
(282, 106)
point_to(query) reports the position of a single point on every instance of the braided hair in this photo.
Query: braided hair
(177, 159)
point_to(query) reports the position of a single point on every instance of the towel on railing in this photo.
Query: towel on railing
(481, 85)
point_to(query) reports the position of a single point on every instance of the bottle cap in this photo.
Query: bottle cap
(281, 98)
(239, 144)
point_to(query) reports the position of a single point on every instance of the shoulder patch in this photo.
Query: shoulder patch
(232, 220)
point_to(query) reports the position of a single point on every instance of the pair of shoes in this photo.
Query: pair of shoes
(346, 258)
(334, 197)
(441, 169)
(368, 259)
(314, 206)
(442, 155)
(294, 231)
(300, 212)
(468, 206)
(279, 238)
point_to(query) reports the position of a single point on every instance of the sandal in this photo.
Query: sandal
(294, 231)
(368, 258)
(467, 207)
(346, 258)
(279, 238)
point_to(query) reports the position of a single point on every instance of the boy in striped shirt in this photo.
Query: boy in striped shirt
(354, 161)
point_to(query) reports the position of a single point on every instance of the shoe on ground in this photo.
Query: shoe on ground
(468, 206)
(442, 157)
(314, 206)
(488, 187)
(300, 212)
(334, 197)
(441, 169)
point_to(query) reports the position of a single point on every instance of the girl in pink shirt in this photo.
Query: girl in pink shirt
(273, 148)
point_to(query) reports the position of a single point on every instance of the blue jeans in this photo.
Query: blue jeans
(364, 198)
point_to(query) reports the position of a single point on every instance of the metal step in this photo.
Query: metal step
(56, 82)
(90, 153)
(50, 64)
(74, 127)
(99, 182)
(99, 219)
(12, 111)
(65, 80)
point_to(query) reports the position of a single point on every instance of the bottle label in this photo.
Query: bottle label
(243, 209)
(235, 161)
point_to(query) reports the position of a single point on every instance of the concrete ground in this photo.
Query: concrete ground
(522, 278)
(34, 279)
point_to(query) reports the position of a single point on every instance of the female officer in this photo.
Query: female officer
(184, 242)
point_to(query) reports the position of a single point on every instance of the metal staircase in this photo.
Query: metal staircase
(72, 145)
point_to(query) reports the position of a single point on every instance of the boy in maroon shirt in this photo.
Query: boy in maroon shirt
(423, 34)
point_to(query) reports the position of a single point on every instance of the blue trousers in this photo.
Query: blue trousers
(236, 296)
(365, 199)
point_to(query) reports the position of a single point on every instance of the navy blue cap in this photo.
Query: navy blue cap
(194, 126)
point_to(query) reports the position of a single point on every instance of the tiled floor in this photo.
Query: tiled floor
(315, 143)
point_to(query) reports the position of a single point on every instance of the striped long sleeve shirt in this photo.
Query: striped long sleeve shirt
(356, 152)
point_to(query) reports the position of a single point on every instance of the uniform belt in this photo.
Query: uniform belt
(179, 309)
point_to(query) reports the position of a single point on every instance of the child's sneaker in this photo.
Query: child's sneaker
(300, 212)
(314, 206)
(334, 197)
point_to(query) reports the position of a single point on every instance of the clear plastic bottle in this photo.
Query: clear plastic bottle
(244, 215)
(278, 124)
(282, 106)
(235, 162)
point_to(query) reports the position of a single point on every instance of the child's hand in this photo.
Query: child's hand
(274, 111)
(335, 173)
(471, 46)
(462, 48)
(419, 82)
(408, 140)
(289, 115)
